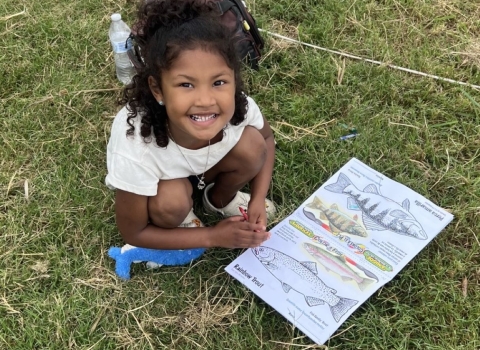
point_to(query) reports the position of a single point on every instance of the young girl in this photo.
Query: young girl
(187, 124)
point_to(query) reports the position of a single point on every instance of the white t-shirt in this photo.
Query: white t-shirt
(136, 166)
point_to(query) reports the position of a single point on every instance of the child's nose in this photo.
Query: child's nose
(205, 98)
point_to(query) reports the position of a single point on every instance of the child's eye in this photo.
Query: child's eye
(218, 83)
(186, 85)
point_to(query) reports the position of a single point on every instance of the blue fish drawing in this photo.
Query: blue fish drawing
(302, 278)
(379, 213)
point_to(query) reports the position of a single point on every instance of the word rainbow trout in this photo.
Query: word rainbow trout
(302, 278)
(379, 213)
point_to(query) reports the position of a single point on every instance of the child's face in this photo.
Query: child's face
(199, 95)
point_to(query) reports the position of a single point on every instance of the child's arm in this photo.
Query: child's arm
(131, 212)
(260, 184)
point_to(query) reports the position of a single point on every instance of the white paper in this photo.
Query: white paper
(353, 235)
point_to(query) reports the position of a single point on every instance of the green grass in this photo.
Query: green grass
(58, 288)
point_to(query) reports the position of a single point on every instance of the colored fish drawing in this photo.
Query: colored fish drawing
(338, 264)
(378, 212)
(338, 221)
(302, 278)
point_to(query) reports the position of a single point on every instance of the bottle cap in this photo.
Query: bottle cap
(116, 17)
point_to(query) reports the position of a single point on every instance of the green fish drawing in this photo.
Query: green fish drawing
(338, 221)
(338, 264)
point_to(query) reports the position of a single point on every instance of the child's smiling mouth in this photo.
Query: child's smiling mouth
(203, 117)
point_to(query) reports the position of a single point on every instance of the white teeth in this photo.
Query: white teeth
(202, 118)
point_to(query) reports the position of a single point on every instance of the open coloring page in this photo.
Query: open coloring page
(353, 235)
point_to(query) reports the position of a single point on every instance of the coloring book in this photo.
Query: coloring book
(353, 235)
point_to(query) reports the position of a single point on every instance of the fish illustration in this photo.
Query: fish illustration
(302, 277)
(338, 264)
(338, 221)
(378, 212)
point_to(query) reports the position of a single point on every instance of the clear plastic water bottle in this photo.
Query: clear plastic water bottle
(119, 37)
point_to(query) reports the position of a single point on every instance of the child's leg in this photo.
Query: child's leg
(237, 168)
(172, 203)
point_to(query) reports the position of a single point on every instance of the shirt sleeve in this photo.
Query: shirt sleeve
(131, 176)
(254, 117)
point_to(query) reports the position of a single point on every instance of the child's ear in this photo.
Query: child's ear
(155, 89)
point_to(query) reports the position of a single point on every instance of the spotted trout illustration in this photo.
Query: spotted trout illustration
(338, 220)
(302, 278)
(338, 264)
(378, 212)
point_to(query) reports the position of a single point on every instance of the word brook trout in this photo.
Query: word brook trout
(302, 278)
(378, 212)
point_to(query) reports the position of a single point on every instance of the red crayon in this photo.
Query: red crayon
(244, 213)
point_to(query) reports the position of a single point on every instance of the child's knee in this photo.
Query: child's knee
(253, 149)
(172, 203)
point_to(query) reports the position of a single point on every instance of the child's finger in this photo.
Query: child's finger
(257, 219)
(236, 218)
(252, 219)
(247, 226)
(261, 222)
(258, 222)
(259, 239)
(256, 227)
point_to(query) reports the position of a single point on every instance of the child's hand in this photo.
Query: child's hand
(235, 232)
(257, 213)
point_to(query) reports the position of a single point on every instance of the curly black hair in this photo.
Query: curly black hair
(163, 30)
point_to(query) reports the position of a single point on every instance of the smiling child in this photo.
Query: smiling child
(188, 124)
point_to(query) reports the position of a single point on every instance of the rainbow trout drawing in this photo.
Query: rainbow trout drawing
(337, 220)
(340, 266)
(379, 213)
(302, 278)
